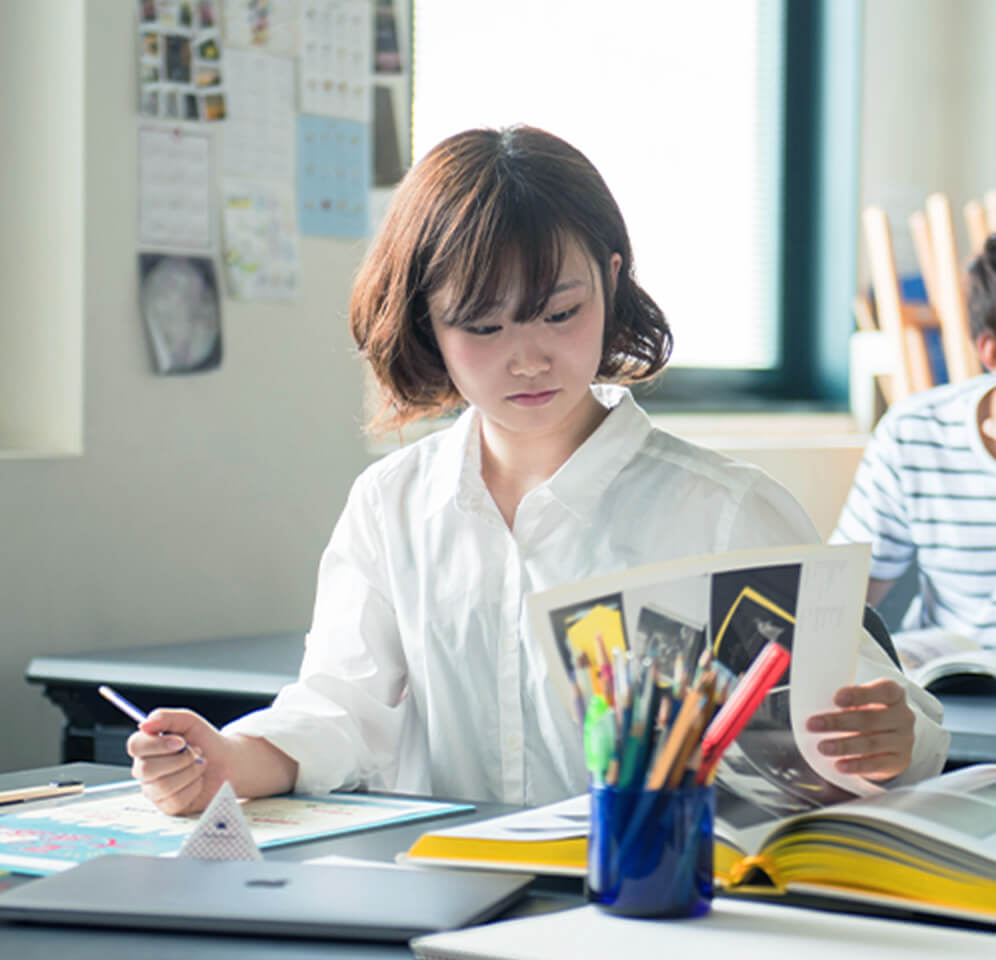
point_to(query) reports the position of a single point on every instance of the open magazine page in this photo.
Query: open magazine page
(808, 598)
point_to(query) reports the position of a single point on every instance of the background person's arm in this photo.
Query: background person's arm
(877, 589)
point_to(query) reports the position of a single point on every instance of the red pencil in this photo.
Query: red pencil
(761, 676)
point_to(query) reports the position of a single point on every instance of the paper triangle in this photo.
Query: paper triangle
(222, 833)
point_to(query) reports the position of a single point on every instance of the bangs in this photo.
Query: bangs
(512, 244)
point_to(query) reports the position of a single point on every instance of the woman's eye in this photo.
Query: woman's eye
(563, 316)
(483, 330)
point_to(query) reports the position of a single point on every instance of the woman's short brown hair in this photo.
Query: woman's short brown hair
(478, 204)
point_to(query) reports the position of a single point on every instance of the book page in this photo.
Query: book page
(916, 648)
(970, 663)
(953, 810)
(554, 821)
(809, 598)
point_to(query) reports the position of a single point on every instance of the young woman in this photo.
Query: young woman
(501, 281)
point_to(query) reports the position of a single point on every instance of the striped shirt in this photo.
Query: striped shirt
(926, 491)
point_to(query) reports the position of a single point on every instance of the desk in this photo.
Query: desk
(28, 943)
(971, 719)
(226, 677)
(792, 932)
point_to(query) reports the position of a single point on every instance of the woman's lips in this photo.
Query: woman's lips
(533, 399)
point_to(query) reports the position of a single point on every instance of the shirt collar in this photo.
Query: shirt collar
(582, 480)
(578, 484)
(456, 471)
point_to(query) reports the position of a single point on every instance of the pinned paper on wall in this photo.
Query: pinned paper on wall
(333, 180)
(261, 248)
(182, 312)
(174, 171)
(258, 136)
(179, 62)
(336, 52)
(269, 25)
(387, 54)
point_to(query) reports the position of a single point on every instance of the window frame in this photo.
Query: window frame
(818, 230)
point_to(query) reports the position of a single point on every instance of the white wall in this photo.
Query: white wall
(199, 505)
(927, 124)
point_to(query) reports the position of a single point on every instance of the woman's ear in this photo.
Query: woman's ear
(615, 262)
(985, 343)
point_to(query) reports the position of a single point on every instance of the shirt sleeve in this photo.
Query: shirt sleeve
(344, 719)
(769, 516)
(875, 511)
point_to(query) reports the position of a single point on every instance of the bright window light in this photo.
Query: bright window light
(676, 103)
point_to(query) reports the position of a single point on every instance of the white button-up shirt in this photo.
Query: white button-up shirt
(420, 673)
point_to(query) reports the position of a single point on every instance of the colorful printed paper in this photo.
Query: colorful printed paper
(261, 248)
(269, 25)
(333, 179)
(180, 76)
(54, 837)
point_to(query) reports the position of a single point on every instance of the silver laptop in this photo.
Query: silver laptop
(362, 902)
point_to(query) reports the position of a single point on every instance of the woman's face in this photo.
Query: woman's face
(532, 377)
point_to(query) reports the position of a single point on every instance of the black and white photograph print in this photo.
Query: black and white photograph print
(668, 634)
(182, 312)
(749, 607)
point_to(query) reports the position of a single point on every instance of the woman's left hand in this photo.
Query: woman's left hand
(872, 732)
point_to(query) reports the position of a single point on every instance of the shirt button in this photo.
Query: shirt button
(512, 741)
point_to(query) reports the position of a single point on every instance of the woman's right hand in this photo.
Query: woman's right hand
(180, 760)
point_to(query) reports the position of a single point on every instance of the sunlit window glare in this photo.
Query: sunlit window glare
(677, 105)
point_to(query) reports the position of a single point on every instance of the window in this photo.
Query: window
(677, 104)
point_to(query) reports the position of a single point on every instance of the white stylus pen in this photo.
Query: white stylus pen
(125, 706)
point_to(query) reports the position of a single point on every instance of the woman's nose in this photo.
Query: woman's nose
(529, 356)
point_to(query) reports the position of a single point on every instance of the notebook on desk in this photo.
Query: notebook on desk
(344, 902)
(733, 928)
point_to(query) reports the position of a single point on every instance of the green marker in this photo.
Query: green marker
(599, 737)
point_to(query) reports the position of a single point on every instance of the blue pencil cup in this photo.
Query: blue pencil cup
(650, 852)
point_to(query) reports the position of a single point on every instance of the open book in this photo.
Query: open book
(551, 839)
(928, 848)
(946, 662)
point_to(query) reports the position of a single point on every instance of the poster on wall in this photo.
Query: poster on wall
(266, 25)
(180, 64)
(258, 133)
(174, 188)
(333, 177)
(260, 245)
(336, 54)
(182, 312)
(387, 49)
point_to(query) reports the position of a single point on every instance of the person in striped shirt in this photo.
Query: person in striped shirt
(925, 489)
